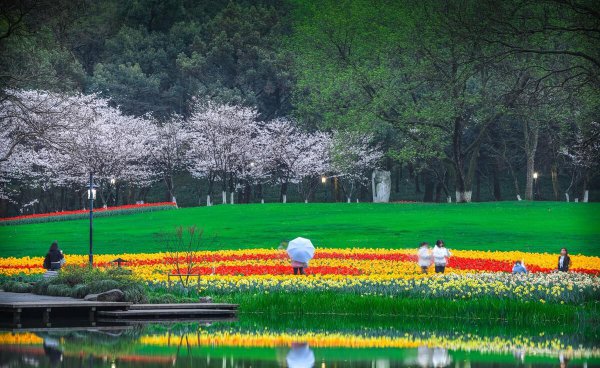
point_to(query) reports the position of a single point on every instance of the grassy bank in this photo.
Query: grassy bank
(527, 226)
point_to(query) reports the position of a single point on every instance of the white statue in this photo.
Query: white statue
(381, 184)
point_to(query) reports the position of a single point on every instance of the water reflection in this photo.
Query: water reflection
(436, 357)
(300, 356)
(257, 343)
(53, 351)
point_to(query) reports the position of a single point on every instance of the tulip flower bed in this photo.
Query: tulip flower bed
(79, 214)
(381, 273)
(270, 265)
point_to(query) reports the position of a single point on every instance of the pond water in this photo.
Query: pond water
(321, 342)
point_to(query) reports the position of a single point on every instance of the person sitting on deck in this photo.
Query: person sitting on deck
(519, 267)
(54, 260)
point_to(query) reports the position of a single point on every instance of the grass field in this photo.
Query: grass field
(526, 226)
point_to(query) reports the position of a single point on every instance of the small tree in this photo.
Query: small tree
(182, 249)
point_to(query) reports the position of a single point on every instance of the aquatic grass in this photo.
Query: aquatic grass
(332, 303)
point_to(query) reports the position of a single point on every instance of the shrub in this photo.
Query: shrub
(162, 298)
(101, 286)
(72, 275)
(77, 282)
(41, 287)
(136, 294)
(59, 290)
(80, 291)
(17, 287)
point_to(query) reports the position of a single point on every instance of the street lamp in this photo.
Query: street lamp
(91, 196)
(323, 179)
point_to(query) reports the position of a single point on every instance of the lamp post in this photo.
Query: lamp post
(535, 190)
(91, 197)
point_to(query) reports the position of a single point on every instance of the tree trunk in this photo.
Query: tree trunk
(283, 192)
(438, 192)
(555, 184)
(529, 178)
(429, 187)
(531, 134)
(462, 194)
(477, 186)
(417, 185)
(398, 177)
(496, 181)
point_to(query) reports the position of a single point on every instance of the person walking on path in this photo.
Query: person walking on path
(54, 259)
(440, 256)
(564, 261)
(424, 255)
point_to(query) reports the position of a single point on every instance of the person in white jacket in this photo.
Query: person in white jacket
(424, 254)
(440, 256)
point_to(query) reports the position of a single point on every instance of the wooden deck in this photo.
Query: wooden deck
(185, 306)
(17, 307)
(163, 313)
(27, 300)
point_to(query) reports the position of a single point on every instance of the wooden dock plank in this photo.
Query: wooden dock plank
(134, 321)
(166, 312)
(184, 306)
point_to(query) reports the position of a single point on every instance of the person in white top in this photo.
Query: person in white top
(440, 256)
(424, 254)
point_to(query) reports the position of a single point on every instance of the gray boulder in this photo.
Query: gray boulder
(114, 295)
(205, 299)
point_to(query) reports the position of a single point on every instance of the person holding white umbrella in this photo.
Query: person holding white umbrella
(301, 251)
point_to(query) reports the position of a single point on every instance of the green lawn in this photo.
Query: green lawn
(539, 226)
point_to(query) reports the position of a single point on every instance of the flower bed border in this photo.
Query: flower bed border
(79, 214)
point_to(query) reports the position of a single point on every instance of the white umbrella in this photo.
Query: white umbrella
(301, 250)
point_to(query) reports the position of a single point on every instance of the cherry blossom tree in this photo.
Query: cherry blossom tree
(221, 144)
(166, 144)
(352, 158)
(584, 157)
(105, 142)
(28, 120)
(294, 156)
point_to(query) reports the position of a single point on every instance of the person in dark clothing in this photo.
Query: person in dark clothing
(564, 261)
(54, 257)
